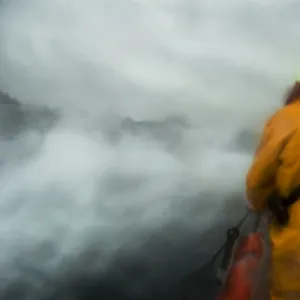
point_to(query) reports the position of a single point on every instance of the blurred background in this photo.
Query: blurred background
(127, 128)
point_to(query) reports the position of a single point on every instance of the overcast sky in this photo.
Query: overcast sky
(224, 65)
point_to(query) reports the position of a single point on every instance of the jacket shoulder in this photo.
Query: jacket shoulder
(283, 122)
(287, 115)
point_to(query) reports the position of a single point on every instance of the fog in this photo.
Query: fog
(160, 104)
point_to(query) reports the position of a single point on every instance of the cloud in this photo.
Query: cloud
(93, 182)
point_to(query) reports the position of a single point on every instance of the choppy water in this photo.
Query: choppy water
(159, 102)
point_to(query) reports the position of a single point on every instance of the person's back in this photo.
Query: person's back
(276, 169)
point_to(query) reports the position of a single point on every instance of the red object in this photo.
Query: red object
(240, 282)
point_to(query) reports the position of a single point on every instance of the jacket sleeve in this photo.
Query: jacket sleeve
(261, 177)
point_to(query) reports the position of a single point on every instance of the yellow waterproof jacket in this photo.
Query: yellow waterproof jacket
(276, 165)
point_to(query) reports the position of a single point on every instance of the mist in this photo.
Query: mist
(159, 105)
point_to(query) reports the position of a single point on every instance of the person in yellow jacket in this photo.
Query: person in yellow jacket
(276, 168)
